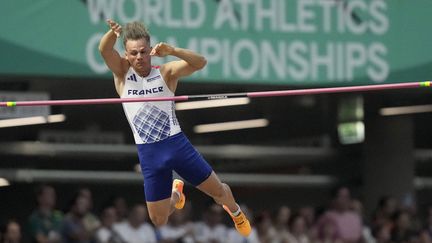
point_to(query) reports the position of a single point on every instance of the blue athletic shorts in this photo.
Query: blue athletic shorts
(159, 159)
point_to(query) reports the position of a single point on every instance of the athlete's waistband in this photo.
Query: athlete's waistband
(166, 140)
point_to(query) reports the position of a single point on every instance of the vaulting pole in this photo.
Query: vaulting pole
(220, 96)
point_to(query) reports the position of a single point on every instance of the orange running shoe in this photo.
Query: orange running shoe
(241, 223)
(178, 186)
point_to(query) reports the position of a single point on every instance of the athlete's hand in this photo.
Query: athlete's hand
(161, 50)
(115, 27)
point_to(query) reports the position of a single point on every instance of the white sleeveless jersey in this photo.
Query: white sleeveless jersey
(150, 121)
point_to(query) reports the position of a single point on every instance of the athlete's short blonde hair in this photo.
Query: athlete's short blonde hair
(135, 31)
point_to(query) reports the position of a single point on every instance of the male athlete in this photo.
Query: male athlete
(162, 147)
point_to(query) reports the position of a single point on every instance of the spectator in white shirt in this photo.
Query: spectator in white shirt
(136, 229)
(106, 233)
(297, 230)
(211, 229)
(179, 228)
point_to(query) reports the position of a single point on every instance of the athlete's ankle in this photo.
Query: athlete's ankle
(175, 196)
(236, 212)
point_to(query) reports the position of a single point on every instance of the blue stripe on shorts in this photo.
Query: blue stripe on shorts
(159, 159)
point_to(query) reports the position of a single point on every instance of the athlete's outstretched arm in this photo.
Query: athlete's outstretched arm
(106, 47)
(189, 63)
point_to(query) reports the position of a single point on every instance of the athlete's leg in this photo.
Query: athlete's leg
(159, 211)
(222, 194)
(161, 192)
(192, 167)
(219, 191)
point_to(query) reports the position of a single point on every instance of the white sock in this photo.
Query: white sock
(236, 213)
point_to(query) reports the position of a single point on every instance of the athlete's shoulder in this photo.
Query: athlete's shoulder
(125, 66)
(123, 71)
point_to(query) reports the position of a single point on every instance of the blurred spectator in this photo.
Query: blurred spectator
(179, 227)
(73, 229)
(387, 206)
(45, 222)
(281, 223)
(106, 233)
(235, 237)
(382, 234)
(402, 230)
(91, 222)
(357, 206)
(348, 223)
(121, 208)
(308, 214)
(11, 232)
(298, 232)
(327, 231)
(425, 235)
(211, 229)
(427, 231)
(409, 205)
(136, 229)
(265, 229)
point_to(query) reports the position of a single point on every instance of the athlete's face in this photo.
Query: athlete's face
(138, 55)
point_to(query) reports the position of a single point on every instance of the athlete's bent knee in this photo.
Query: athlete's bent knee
(159, 221)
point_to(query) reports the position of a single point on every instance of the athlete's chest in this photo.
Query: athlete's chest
(150, 86)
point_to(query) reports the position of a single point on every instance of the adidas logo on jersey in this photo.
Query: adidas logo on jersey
(132, 78)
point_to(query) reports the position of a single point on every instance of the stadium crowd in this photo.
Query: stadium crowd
(342, 221)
